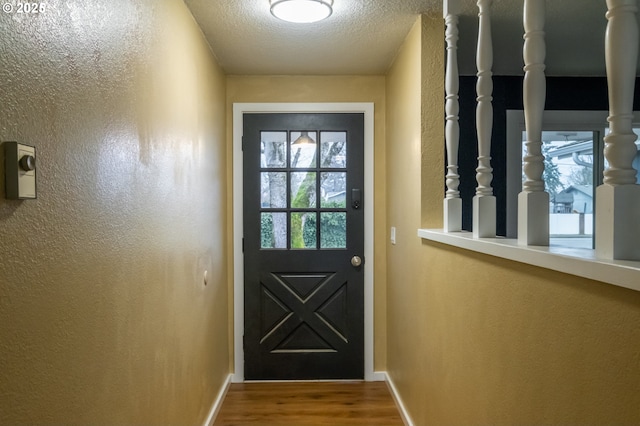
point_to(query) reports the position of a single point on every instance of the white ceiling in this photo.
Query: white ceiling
(363, 36)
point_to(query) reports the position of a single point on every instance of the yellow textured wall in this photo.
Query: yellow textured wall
(104, 317)
(329, 89)
(407, 342)
(474, 339)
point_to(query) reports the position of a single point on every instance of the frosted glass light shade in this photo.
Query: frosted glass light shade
(301, 11)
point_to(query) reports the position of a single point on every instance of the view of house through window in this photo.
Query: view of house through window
(570, 175)
(573, 147)
(572, 172)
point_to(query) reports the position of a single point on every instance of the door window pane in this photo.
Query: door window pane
(273, 230)
(333, 189)
(333, 149)
(273, 152)
(303, 190)
(333, 230)
(303, 149)
(303, 230)
(273, 190)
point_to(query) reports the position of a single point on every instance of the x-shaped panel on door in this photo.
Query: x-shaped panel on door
(303, 312)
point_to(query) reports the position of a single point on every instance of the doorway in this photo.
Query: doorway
(303, 246)
(367, 208)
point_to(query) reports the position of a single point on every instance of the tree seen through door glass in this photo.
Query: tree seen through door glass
(273, 190)
(333, 149)
(303, 230)
(273, 153)
(273, 230)
(303, 195)
(303, 190)
(333, 230)
(333, 186)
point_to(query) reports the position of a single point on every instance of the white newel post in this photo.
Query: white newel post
(533, 201)
(452, 202)
(618, 199)
(484, 203)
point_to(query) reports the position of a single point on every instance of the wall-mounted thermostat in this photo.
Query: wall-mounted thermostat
(20, 171)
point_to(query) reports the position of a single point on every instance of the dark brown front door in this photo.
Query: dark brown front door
(303, 234)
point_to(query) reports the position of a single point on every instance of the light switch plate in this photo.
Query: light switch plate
(20, 171)
(393, 235)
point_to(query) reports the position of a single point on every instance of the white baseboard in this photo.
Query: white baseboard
(217, 404)
(378, 376)
(396, 397)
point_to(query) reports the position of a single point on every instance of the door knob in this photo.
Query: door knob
(356, 261)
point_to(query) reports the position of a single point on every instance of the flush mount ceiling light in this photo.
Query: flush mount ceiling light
(301, 11)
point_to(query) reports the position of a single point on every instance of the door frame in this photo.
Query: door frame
(239, 109)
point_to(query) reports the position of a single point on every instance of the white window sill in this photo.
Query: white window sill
(574, 261)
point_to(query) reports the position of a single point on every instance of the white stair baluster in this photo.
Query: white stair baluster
(533, 201)
(484, 203)
(618, 199)
(452, 202)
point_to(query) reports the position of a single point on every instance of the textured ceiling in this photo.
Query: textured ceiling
(363, 36)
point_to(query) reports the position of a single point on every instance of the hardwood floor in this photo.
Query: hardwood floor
(309, 403)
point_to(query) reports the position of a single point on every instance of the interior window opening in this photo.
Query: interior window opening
(573, 146)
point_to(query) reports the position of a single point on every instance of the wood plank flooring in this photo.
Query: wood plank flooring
(308, 403)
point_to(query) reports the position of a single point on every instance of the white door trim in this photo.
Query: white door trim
(239, 109)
